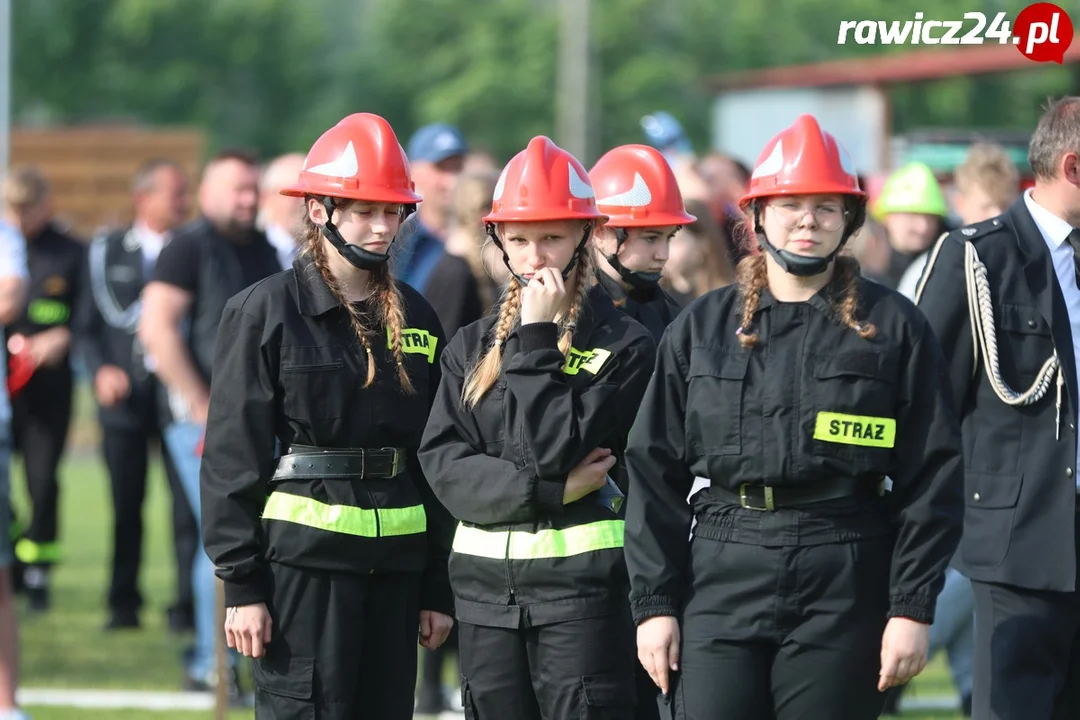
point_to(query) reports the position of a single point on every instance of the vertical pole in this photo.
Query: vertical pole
(5, 85)
(222, 709)
(572, 92)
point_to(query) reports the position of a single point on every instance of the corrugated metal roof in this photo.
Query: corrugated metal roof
(928, 64)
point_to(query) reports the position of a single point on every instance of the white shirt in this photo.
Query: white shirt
(909, 281)
(151, 243)
(1055, 232)
(283, 242)
(12, 265)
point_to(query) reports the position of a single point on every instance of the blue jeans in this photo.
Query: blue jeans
(182, 439)
(954, 629)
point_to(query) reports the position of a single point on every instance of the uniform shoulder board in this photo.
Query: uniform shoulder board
(979, 229)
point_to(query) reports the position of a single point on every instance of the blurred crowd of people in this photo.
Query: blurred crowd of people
(113, 308)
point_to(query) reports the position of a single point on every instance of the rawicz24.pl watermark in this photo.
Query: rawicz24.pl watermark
(1041, 32)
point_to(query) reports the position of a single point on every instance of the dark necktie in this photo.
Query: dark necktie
(1074, 241)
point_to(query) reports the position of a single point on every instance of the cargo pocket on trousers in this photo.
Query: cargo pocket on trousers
(467, 701)
(287, 687)
(607, 697)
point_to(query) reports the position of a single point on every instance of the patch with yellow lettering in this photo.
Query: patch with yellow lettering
(47, 312)
(589, 360)
(855, 430)
(413, 340)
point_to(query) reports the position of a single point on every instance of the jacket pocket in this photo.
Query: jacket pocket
(608, 696)
(991, 500)
(853, 398)
(287, 683)
(714, 402)
(318, 384)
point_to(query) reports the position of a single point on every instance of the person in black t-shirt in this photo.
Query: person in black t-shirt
(207, 262)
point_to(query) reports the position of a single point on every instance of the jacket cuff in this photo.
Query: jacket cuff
(549, 495)
(913, 607)
(248, 591)
(538, 336)
(436, 594)
(652, 606)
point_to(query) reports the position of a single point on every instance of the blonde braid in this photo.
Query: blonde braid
(486, 370)
(752, 277)
(581, 290)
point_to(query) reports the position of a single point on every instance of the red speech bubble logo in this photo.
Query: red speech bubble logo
(1043, 32)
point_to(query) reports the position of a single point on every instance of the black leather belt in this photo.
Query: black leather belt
(769, 498)
(305, 462)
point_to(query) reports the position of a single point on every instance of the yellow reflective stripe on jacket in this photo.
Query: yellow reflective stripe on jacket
(345, 519)
(520, 545)
(30, 552)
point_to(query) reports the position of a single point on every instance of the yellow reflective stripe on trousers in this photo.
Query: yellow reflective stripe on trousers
(345, 519)
(520, 545)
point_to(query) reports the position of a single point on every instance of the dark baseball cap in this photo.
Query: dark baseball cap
(435, 143)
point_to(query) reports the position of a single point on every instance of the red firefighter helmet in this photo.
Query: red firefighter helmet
(635, 187)
(543, 182)
(360, 158)
(803, 160)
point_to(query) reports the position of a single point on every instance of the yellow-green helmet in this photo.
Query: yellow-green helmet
(911, 189)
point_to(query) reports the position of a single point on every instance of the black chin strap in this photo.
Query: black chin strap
(634, 278)
(354, 254)
(490, 229)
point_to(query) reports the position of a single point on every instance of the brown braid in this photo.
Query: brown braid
(847, 277)
(752, 277)
(384, 290)
(486, 371)
(393, 316)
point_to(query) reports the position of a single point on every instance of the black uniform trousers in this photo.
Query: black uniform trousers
(786, 632)
(562, 671)
(127, 455)
(41, 415)
(343, 646)
(1027, 652)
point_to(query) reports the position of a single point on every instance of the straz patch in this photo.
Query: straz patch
(589, 360)
(855, 430)
(47, 312)
(419, 342)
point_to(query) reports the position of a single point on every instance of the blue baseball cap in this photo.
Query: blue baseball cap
(665, 133)
(435, 143)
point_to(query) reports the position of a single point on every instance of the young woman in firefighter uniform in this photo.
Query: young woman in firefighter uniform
(334, 555)
(637, 190)
(802, 392)
(534, 407)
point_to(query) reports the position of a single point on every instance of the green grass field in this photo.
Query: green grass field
(67, 648)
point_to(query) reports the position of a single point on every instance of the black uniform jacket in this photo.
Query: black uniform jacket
(812, 402)
(521, 558)
(288, 366)
(107, 318)
(654, 308)
(1020, 467)
(57, 267)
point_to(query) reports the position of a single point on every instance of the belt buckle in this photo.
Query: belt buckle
(394, 464)
(745, 502)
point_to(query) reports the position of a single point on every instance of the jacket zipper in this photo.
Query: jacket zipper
(509, 575)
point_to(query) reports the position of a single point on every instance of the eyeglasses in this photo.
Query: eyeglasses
(829, 217)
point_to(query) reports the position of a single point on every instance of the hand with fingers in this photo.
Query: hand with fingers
(247, 629)
(904, 649)
(658, 644)
(434, 628)
(543, 297)
(589, 476)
